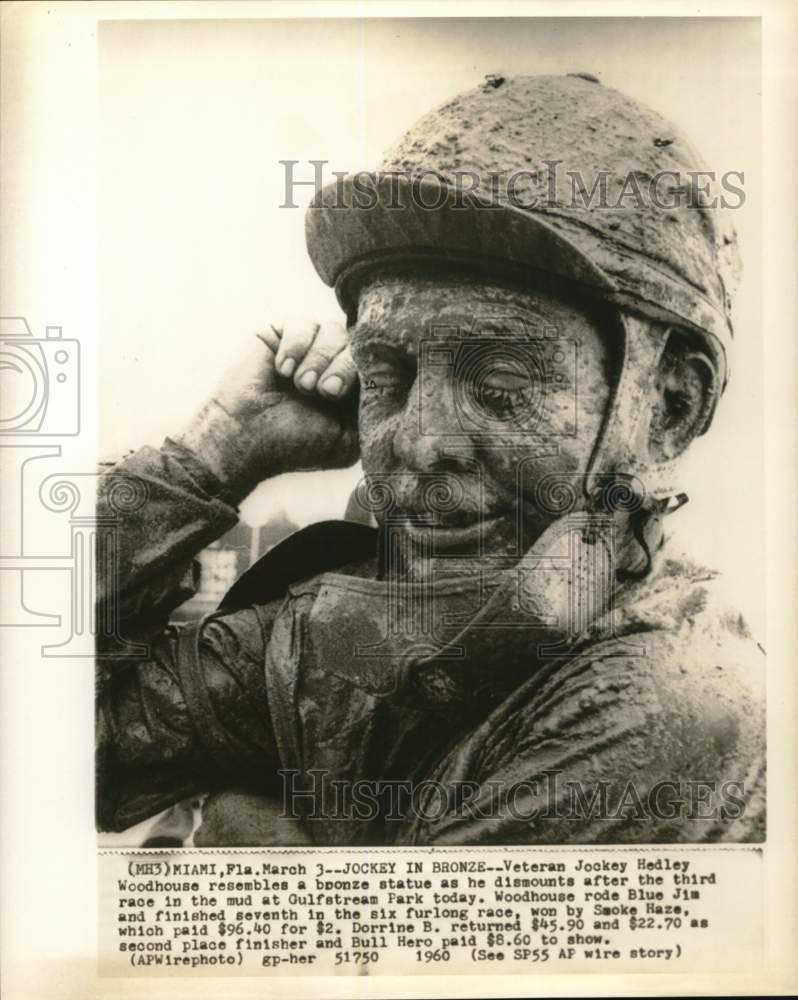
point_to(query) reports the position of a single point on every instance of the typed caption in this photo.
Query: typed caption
(246, 912)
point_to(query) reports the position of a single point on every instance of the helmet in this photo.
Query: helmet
(560, 176)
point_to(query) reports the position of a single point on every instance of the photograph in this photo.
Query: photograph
(417, 336)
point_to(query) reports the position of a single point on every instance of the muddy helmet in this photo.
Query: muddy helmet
(554, 175)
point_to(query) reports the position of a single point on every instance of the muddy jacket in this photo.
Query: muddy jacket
(489, 725)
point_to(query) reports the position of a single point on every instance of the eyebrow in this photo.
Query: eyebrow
(376, 339)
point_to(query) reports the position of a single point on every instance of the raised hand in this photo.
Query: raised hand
(288, 404)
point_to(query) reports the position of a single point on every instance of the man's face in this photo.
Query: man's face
(473, 393)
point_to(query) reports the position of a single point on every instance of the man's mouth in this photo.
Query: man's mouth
(456, 530)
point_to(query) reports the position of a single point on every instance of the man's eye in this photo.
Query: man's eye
(382, 382)
(503, 393)
(505, 381)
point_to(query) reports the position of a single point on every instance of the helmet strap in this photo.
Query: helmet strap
(622, 448)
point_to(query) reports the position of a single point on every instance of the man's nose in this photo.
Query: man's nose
(429, 434)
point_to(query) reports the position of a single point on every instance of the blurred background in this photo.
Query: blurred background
(195, 252)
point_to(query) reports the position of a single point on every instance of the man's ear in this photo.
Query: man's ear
(685, 392)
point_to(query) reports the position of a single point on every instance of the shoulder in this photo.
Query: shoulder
(684, 670)
(673, 681)
(684, 613)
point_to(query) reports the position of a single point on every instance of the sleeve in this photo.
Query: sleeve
(190, 709)
(191, 718)
(157, 510)
(608, 749)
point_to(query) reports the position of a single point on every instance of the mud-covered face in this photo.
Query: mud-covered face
(477, 399)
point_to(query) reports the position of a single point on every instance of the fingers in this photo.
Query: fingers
(270, 337)
(295, 340)
(339, 376)
(317, 357)
(329, 341)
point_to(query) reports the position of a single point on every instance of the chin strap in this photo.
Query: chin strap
(622, 448)
(622, 479)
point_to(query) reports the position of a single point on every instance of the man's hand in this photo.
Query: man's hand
(287, 405)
